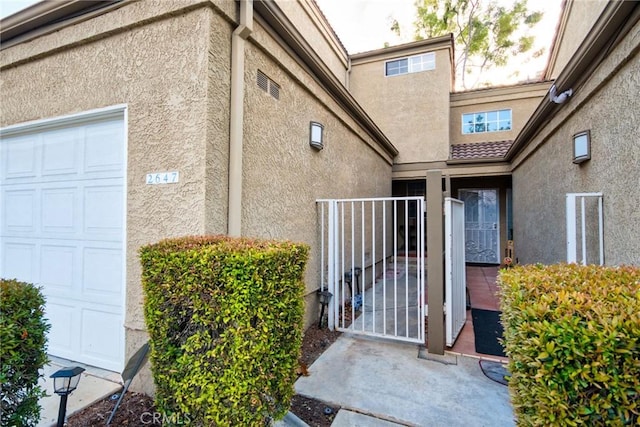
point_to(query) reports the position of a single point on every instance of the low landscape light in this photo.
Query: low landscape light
(325, 298)
(65, 381)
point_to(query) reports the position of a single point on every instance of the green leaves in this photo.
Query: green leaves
(224, 317)
(23, 352)
(572, 334)
(485, 33)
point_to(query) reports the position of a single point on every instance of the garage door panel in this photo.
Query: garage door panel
(57, 266)
(103, 206)
(63, 336)
(62, 193)
(60, 152)
(20, 156)
(101, 336)
(102, 274)
(104, 151)
(59, 211)
(19, 261)
(19, 211)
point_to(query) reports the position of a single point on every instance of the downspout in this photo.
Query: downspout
(236, 117)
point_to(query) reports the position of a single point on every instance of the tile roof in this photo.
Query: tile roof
(480, 150)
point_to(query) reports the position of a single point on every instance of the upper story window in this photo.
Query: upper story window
(486, 121)
(410, 64)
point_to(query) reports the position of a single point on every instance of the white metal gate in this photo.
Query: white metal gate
(372, 262)
(590, 240)
(455, 270)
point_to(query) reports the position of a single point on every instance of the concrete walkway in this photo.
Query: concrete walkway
(381, 383)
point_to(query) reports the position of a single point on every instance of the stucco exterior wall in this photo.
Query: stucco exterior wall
(283, 176)
(607, 105)
(522, 100)
(411, 109)
(309, 20)
(169, 63)
(171, 70)
(582, 14)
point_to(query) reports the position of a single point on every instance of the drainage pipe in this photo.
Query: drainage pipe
(236, 117)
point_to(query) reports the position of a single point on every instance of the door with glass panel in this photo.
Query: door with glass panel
(482, 225)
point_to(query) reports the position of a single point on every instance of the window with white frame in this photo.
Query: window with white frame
(486, 121)
(410, 64)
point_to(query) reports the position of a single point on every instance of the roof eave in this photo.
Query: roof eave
(615, 16)
(44, 13)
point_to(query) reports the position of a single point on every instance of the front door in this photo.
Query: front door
(482, 225)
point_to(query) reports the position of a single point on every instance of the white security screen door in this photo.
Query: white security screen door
(62, 193)
(482, 225)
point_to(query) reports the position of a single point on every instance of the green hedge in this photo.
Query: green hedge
(572, 334)
(225, 319)
(22, 352)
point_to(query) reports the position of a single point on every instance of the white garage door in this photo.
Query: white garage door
(62, 228)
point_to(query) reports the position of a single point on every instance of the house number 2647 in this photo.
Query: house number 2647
(163, 178)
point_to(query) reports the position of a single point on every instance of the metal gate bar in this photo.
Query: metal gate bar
(369, 273)
(455, 269)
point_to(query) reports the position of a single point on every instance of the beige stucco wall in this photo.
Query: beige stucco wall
(582, 14)
(172, 73)
(608, 106)
(283, 176)
(169, 62)
(313, 26)
(522, 100)
(411, 109)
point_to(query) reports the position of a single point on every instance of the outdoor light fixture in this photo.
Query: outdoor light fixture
(348, 279)
(316, 131)
(325, 297)
(64, 382)
(581, 147)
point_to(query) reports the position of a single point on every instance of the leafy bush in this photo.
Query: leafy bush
(225, 323)
(23, 352)
(572, 334)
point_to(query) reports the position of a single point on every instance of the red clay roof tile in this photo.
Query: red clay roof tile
(480, 150)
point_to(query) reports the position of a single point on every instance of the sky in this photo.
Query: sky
(364, 25)
(9, 7)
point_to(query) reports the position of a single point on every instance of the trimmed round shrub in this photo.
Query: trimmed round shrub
(23, 352)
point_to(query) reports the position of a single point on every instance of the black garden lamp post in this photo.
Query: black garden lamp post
(65, 381)
(325, 297)
(357, 271)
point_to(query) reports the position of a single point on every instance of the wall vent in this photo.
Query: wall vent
(263, 81)
(274, 89)
(268, 85)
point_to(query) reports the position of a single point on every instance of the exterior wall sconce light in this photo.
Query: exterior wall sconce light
(316, 135)
(581, 147)
(65, 381)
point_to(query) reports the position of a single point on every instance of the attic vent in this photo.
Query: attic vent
(274, 90)
(263, 81)
(268, 85)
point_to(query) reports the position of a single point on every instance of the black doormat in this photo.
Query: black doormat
(487, 330)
